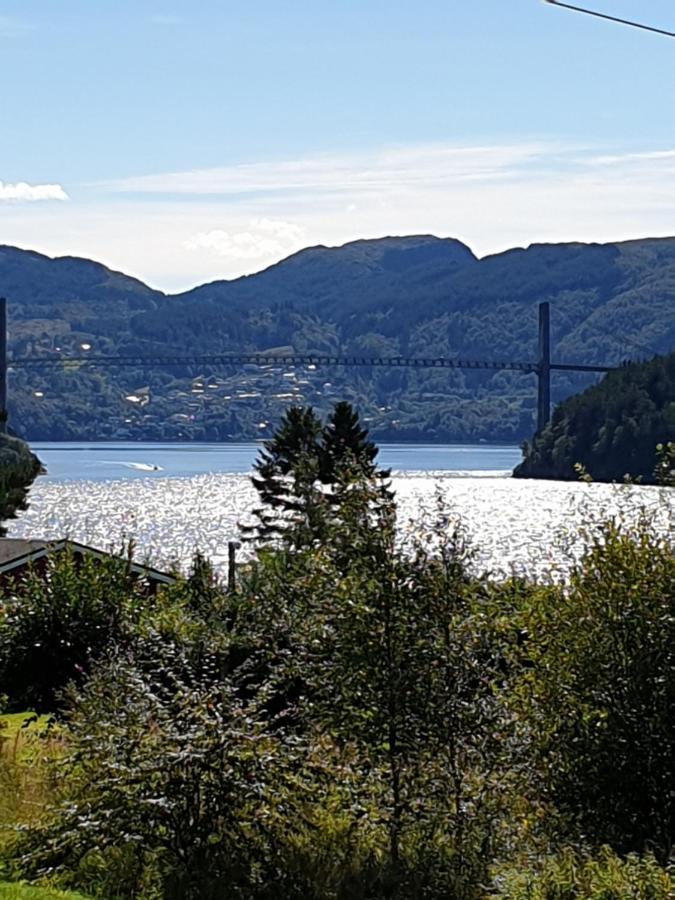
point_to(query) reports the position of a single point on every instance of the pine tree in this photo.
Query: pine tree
(305, 471)
(287, 472)
(344, 443)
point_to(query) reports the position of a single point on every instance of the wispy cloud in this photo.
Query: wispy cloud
(21, 192)
(182, 228)
(398, 169)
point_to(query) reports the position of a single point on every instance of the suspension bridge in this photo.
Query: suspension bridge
(542, 367)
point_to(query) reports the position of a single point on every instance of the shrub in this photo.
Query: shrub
(17, 891)
(52, 625)
(572, 876)
(597, 694)
(169, 777)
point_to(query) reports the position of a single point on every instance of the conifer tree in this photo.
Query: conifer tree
(343, 435)
(305, 470)
(285, 476)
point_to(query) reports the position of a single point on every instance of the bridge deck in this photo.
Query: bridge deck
(260, 359)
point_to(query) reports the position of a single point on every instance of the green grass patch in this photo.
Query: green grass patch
(20, 736)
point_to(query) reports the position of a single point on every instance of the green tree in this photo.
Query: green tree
(286, 475)
(299, 474)
(343, 436)
(611, 429)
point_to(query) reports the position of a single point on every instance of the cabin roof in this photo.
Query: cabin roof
(17, 552)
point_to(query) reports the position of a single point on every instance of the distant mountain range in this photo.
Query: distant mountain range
(397, 296)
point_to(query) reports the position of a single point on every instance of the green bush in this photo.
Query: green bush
(16, 891)
(572, 876)
(596, 695)
(53, 625)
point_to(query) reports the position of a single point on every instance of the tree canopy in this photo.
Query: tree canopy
(18, 469)
(612, 429)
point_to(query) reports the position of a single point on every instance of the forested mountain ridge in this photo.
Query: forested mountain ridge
(408, 296)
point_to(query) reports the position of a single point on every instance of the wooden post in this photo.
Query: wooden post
(544, 368)
(3, 365)
(232, 547)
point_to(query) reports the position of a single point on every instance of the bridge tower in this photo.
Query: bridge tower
(544, 367)
(3, 365)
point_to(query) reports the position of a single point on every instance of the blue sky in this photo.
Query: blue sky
(183, 142)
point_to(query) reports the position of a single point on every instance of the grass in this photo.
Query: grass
(18, 732)
(26, 778)
(16, 891)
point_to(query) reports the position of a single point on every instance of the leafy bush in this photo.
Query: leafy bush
(597, 694)
(572, 876)
(167, 774)
(15, 891)
(54, 624)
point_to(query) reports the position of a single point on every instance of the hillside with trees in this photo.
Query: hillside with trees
(18, 470)
(612, 429)
(418, 296)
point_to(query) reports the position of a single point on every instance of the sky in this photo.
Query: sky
(182, 142)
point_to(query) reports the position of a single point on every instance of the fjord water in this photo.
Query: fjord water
(176, 499)
(104, 461)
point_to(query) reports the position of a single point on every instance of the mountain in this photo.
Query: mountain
(396, 296)
(612, 428)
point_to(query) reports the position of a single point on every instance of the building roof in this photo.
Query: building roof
(17, 552)
(12, 549)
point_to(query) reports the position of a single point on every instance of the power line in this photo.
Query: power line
(599, 15)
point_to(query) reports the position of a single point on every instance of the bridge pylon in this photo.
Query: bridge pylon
(544, 367)
(3, 365)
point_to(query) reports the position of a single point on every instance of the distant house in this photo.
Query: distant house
(18, 555)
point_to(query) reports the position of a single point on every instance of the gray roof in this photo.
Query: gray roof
(20, 551)
(15, 549)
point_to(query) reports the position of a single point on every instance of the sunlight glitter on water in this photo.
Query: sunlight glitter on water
(514, 525)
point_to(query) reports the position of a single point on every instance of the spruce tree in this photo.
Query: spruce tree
(286, 475)
(343, 438)
(305, 470)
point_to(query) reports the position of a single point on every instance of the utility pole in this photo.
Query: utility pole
(544, 367)
(3, 365)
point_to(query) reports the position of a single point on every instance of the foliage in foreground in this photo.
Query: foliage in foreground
(597, 690)
(356, 723)
(54, 625)
(605, 876)
(16, 891)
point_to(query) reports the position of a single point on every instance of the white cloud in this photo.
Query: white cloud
(264, 239)
(22, 192)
